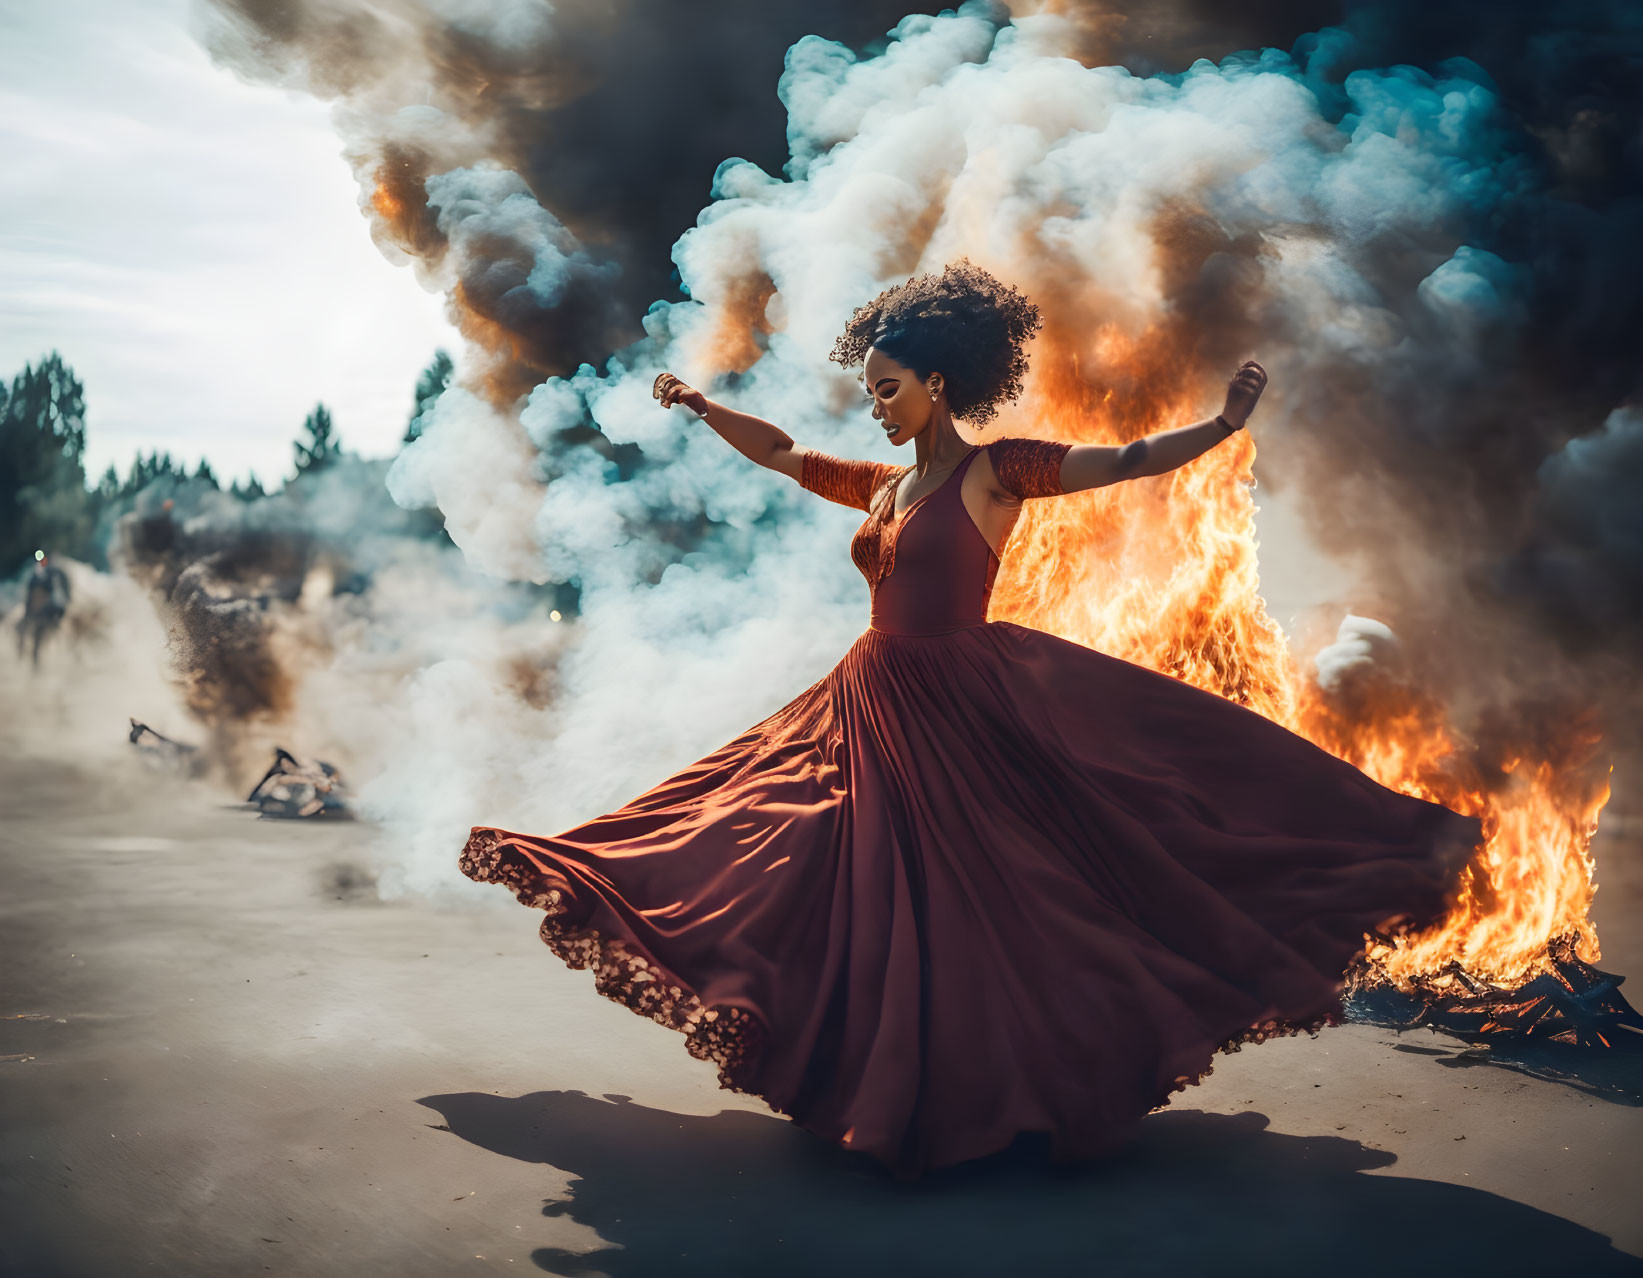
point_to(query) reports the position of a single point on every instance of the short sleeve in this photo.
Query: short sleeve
(1028, 467)
(841, 479)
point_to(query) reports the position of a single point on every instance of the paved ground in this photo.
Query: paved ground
(220, 1054)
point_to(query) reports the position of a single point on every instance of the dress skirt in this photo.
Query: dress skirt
(984, 882)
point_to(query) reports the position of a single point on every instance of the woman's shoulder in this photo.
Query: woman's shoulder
(1006, 445)
(1027, 466)
(849, 481)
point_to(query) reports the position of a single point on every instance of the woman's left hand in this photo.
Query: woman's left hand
(1242, 392)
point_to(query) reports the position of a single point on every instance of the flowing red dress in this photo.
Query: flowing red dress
(979, 880)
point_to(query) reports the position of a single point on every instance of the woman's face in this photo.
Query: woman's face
(901, 402)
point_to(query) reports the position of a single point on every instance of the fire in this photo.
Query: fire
(1163, 572)
(386, 205)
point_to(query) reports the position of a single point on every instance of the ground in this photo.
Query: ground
(221, 1054)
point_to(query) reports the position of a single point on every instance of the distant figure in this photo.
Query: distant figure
(45, 600)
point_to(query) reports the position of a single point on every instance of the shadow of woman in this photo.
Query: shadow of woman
(744, 1193)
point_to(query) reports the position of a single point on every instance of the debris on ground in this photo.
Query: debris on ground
(294, 787)
(162, 753)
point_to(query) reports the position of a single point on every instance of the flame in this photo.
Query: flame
(1162, 572)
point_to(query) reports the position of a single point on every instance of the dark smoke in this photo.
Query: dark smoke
(613, 116)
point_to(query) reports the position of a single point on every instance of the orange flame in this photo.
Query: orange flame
(1162, 572)
(386, 205)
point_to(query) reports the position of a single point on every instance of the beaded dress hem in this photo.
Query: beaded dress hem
(726, 1036)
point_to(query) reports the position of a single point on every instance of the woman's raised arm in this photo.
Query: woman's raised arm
(1096, 465)
(761, 442)
(840, 479)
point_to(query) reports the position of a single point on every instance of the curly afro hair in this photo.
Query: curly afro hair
(964, 324)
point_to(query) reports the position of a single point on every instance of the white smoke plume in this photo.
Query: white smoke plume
(1331, 218)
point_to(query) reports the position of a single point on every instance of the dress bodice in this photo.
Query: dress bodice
(928, 568)
(934, 569)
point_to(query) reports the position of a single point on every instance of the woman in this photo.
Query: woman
(979, 880)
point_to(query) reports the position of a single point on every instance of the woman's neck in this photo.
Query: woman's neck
(938, 446)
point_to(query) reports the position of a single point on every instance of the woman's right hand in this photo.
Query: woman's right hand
(1242, 393)
(670, 390)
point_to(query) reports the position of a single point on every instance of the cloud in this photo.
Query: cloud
(187, 241)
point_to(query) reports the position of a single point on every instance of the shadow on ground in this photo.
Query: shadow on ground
(1613, 1075)
(1195, 1193)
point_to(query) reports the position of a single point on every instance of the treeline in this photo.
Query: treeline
(46, 502)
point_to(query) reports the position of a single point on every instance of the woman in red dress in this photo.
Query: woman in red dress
(979, 880)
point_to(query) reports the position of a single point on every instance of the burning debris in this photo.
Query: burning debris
(1573, 1003)
(164, 754)
(294, 787)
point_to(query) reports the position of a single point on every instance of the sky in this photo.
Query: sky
(192, 246)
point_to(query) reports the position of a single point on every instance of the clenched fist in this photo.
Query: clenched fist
(1242, 392)
(670, 390)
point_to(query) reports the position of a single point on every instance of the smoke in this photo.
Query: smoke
(107, 659)
(1425, 221)
(1361, 645)
(511, 148)
(479, 468)
(707, 595)
(1582, 561)
(299, 619)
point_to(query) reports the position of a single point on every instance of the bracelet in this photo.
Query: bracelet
(1226, 425)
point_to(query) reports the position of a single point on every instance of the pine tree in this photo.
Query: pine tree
(322, 446)
(429, 387)
(147, 470)
(204, 473)
(251, 490)
(43, 497)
